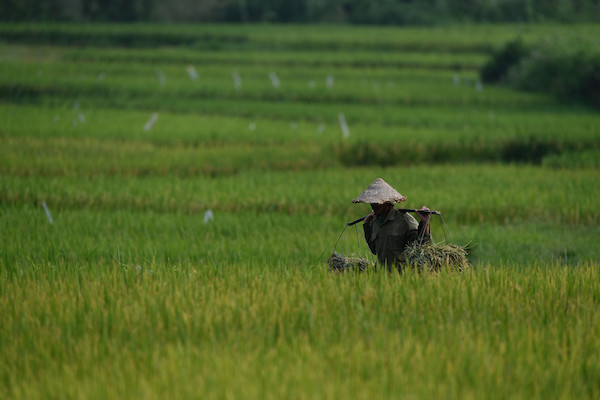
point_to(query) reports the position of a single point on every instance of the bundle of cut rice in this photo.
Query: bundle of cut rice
(432, 257)
(339, 263)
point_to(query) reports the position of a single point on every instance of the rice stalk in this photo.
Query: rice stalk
(433, 257)
(339, 263)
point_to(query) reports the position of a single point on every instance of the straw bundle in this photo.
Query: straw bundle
(432, 257)
(339, 263)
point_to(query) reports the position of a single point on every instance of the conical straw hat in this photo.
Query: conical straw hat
(379, 192)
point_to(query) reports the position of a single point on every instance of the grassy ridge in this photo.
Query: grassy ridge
(341, 59)
(473, 193)
(458, 38)
(349, 84)
(405, 136)
(88, 237)
(156, 219)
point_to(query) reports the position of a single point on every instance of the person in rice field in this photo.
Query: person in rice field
(387, 230)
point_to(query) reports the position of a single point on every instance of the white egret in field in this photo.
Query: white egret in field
(161, 77)
(151, 122)
(79, 118)
(237, 80)
(343, 125)
(329, 81)
(208, 216)
(48, 215)
(456, 80)
(274, 80)
(192, 72)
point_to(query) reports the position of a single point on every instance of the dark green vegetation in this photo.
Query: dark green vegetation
(129, 135)
(567, 67)
(396, 12)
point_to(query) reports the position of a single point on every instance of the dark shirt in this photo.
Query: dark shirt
(388, 237)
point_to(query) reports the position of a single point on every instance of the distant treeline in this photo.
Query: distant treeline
(396, 12)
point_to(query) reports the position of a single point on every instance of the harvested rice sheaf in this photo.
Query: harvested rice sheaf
(432, 257)
(339, 263)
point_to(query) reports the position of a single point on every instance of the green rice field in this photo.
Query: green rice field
(170, 195)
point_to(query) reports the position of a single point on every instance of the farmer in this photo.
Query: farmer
(387, 230)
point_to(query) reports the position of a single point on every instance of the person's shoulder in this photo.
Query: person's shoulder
(406, 217)
(402, 213)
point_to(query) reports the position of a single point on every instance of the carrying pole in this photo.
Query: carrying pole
(400, 209)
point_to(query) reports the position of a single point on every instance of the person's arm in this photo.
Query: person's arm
(368, 229)
(369, 217)
(424, 224)
(422, 232)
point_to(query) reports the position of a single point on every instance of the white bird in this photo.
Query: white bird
(192, 72)
(151, 122)
(47, 213)
(208, 216)
(343, 125)
(274, 80)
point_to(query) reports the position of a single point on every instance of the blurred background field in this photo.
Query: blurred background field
(294, 126)
(197, 177)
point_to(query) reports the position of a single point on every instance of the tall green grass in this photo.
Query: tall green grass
(180, 331)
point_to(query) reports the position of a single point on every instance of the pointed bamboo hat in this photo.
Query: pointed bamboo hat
(379, 192)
